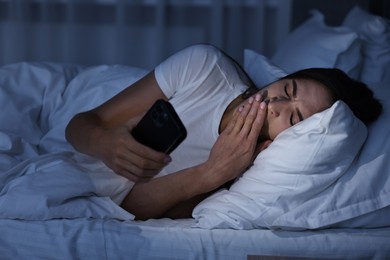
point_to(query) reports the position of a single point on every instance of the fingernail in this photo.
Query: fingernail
(258, 97)
(263, 105)
(167, 159)
(240, 108)
(250, 100)
(264, 94)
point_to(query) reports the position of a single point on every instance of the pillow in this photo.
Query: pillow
(314, 44)
(260, 69)
(375, 34)
(302, 163)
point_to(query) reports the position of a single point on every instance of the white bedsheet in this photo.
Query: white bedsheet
(168, 239)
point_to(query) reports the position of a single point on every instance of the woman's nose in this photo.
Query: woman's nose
(275, 106)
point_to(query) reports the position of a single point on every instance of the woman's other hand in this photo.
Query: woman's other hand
(236, 147)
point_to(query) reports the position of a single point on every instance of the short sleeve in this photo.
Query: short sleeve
(186, 69)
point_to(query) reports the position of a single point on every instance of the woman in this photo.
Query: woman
(228, 124)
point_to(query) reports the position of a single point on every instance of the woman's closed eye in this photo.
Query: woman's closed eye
(288, 97)
(291, 92)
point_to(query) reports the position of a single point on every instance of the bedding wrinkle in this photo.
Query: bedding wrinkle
(292, 186)
(56, 185)
(41, 172)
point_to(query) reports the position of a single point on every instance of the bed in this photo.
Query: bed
(52, 208)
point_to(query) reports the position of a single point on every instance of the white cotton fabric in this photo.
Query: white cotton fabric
(260, 69)
(42, 177)
(301, 165)
(374, 31)
(315, 44)
(61, 185)
(200, 83)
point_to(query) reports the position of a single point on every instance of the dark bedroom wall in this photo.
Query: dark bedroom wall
(334, 10)
(380, 7)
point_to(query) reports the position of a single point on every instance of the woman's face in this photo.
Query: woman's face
(291, 101)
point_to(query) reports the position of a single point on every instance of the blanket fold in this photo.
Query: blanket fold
(41, 176)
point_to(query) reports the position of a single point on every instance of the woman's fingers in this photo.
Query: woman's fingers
(234, 149)
(142, 161)
(258, 122)
(242, 115)
(239, 116)
(133, 172)
(145, 157)
(250, 117)
(130, 159)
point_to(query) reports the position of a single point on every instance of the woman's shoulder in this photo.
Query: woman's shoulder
(202, 53)
(206, 56)
(204, 48)
(213, 55)
(200, 66)
(195, 57)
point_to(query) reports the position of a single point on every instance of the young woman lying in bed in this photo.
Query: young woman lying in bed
(229, 121)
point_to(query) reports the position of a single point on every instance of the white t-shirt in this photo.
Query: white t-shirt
(200, 83)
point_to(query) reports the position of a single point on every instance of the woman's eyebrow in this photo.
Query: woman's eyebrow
(294, 90)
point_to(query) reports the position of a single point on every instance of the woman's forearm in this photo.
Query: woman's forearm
(155, 198)
(83, 131)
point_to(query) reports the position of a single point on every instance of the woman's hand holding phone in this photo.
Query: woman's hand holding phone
(129, 158)
(139, 150)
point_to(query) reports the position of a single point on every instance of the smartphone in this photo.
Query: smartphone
(160, 128)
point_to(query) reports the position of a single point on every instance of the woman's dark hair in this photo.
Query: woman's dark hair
(355, 94)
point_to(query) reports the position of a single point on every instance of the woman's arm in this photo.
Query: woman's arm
(230, 156)
(104, 131)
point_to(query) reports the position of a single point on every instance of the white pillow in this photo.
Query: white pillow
(302, 163)
(260, 69)
(314, 44)
(375, 33)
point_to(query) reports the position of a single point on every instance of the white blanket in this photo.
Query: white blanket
(42, 177)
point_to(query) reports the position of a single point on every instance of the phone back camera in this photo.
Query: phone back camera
(159, 116)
